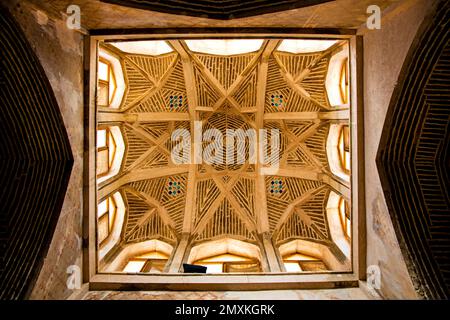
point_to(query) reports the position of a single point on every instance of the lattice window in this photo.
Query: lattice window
(229, 263)
(106, 213)
(107, 85)
(344, 149)
(299, 262)
(106, 151)
(344, 82)
(153, 261)
(276, 186)
(344, 216)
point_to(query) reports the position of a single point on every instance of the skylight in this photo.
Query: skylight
(209, 92)
(305, 46)
(224, 47)
(152, 48)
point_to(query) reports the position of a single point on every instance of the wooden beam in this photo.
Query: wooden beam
(298, 142)
(325, 115)
(260, 188)
(238, 81)
(103, 117)
(142, 158)
(138, 175)
(159, 143)
(224, 94)
(142, 220)
(222, 282)
(158, 86)
(226, 189)
(340, 187)
(136, 66)
(178, 47)
(157, 205)
(309, 222)
(214, 206)
(289, 209)
(204, 109)
(189, 209)
(270, 253)
(328, 52)
(176, 260)
(191, 93)
(295, 86)
(308, 173)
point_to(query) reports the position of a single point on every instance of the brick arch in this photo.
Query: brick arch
(36, 162)
(413, 157)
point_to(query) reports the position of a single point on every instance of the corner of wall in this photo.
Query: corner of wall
(60, 51)
(384, 53)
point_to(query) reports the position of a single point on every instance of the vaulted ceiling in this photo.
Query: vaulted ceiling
(265, 89)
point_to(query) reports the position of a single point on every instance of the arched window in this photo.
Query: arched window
(152, 261)
(106, 213)
(337, 82)
(338, 151)
(107, 84)
(299, 262)
(343, 82)
(106, 151)
(344, 216)
(226, 255)
(344, 148)
(229, 263)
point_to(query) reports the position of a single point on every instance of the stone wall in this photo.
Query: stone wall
(100, 15)
(322, 294)
(384, 53)
(59, 50)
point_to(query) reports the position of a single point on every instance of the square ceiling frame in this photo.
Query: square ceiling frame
(259, 281)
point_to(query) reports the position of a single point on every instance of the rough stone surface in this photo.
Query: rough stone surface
(384, 53)
(324, 294)
(97, 15)
(60, 53)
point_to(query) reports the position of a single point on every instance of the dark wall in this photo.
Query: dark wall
(213, 9)
(413, 157)
(36, 162)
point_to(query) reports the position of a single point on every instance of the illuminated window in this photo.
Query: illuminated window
(299, 262)
(344, 148)
(225, 46)
(106, 151)
(344, 216)
(152, 47)
(106, 213)
(229, 263)
(305, 46)
(343, 82)
(106, 83)
(153, 261)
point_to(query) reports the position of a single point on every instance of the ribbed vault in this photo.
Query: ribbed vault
(265, 89)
